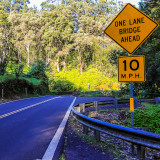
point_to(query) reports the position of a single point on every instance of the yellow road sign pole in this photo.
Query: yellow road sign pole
(132, 105)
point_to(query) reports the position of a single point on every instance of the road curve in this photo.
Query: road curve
(27, 126)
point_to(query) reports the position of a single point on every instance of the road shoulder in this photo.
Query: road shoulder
(77, 147)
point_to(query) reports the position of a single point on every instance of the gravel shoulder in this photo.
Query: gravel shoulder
(77, 147)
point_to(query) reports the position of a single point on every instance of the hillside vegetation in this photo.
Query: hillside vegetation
(63, 48)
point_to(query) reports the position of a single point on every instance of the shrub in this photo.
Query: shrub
(38, 70)
(14, 86)
(73, 80)
(148, 117)
(15, 68)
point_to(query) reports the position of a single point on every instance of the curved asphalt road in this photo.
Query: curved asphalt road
(27, 126)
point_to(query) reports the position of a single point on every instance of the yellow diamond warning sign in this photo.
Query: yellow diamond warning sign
(131, 69)
(131, 28)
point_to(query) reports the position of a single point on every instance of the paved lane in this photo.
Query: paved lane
(25, 135)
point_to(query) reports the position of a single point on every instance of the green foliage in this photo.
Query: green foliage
(69, 37)
(148, 117)
(90, 80)
(62, 157)
(16, 86)
(120, 94)
(60, 86)
(64, 36)
(38, 70)
(89, 139)
(151, 48)
(15, 68)
(91, 94)
(6, 77)
(16, 5)
(34, 81)
(3, 65)
(26, 69)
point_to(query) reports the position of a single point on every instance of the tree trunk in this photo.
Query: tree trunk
(28, 54)
(4, 51)
(3, 55)
(49, 57)
(19, 55)
(81, 66)
(65, 62)
(58, 64)
(81, 62)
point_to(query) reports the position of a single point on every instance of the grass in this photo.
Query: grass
(148, 117)
(148, 104)
(20, 90)
(107, 110)
(89, 139)
(62, 157)
(92, 94)
(30, 95)
(116, 94)
(106, 145)
(34, 81)
(5, 77)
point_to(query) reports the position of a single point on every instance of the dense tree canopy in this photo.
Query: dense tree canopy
(68, 34)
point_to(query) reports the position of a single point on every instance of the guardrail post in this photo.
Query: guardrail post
(85, 129)
(96, 105)
(26, 91)
(133, 148)
(71, 113)
(140, 152)
(2, 93)
(135, 102)
(82, 106)
(115, 103)
(97, 135)
(157, 99)
(78, 109)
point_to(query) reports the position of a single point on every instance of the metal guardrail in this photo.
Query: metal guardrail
(139, 138)
(122, 101)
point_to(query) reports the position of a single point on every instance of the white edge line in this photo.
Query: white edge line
(49, 154)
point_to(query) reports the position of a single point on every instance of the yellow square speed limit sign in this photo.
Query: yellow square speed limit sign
(131, 69)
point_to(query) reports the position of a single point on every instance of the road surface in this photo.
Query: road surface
(27, 126)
